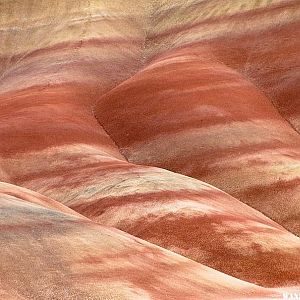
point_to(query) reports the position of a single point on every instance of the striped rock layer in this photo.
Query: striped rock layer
(50, 252)
(91, 92)
(213, 101)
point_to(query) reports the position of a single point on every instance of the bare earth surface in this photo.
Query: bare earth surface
(149, 149)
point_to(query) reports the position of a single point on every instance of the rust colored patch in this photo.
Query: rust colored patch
(197, 238)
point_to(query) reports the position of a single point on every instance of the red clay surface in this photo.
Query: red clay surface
(105, 108)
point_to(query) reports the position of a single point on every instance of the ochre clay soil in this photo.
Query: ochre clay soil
(149, 149)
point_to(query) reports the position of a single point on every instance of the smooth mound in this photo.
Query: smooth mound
(176, 122)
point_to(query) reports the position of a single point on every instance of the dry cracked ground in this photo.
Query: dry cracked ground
(149, 149)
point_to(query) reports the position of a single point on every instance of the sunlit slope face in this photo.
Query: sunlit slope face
(48, 251)
(190, 108)
(60, 150)
(56, 60)
(70, 158)
(179, 213)
(257, 38)
(69, 41)
(198, 113)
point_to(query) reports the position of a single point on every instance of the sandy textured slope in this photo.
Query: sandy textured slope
(48, 252)
(86, 172)
(259, 38)
(171, 210)
(203, 106)
(194, 87)
(196, 116)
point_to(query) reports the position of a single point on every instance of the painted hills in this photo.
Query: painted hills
(149, 149)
